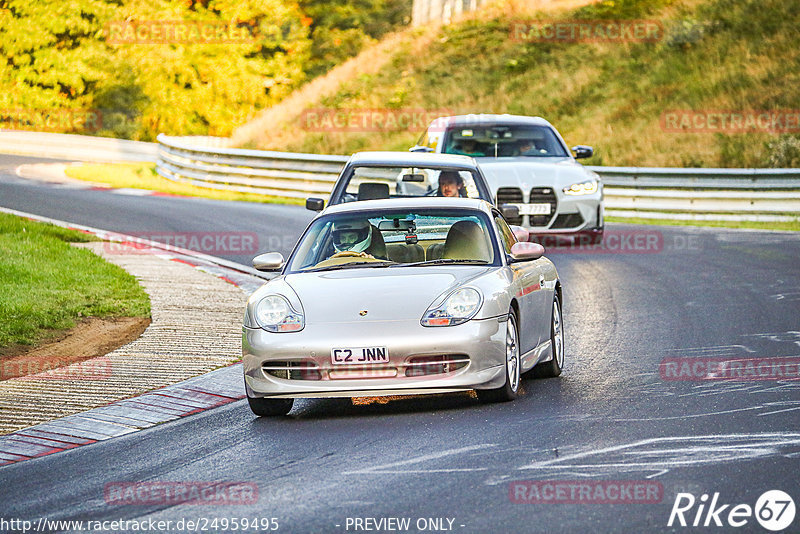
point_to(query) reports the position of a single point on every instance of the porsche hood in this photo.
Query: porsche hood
(375, 294)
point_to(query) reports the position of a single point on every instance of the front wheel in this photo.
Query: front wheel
(552, 368)
(269, 407)
(509, 390)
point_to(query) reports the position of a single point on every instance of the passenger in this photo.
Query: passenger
(526, 147)
(529, 148)
(451, 184)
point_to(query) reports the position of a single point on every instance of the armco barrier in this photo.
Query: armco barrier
(255, 171)
(656, 193)
(661, 193)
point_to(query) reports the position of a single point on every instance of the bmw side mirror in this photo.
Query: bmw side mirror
(315, 204)
(509, 211)
(420, 148)
(269, 262)
(583, 151)
(526, 251)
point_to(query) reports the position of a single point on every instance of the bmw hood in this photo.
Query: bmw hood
(385, 294)
(526, 172)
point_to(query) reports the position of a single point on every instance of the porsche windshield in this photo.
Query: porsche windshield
(503, 141)
(396, 238)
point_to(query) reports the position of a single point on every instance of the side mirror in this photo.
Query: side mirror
(420, 148)
(526, 251)
(509, 211)
(583, 151)
(521, 233)
(315, 204)
(269, 262)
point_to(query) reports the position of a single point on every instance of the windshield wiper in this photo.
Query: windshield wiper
(351, 265)
(442, 261)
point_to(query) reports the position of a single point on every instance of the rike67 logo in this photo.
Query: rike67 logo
(774, 510)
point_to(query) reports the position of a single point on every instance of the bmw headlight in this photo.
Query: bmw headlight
(583, 188)
(275, 314)
(459, 307)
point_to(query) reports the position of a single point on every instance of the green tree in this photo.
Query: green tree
(59, 56)
(340, 28)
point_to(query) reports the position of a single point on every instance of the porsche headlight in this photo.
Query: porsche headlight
(583, 188)
(459, 307)
(275, 314)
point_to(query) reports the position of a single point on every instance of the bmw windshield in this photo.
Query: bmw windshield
(503, 141)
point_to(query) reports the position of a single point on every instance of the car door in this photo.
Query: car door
(529, 290)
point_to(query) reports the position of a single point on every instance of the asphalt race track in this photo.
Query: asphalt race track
(448, 463)
(235, 228)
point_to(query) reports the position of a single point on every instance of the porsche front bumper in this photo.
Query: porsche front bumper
(479, 346)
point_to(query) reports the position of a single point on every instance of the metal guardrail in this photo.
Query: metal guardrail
(699, 178)
(663, 193)
(702, 194)
(707, 194)
(253, 171)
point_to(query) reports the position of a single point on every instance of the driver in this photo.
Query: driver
(353, 235)
(451, 184)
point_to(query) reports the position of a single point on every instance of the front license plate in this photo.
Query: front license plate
(534, 209)
(359, 355)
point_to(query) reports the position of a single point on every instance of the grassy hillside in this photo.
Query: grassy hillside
(714, 55)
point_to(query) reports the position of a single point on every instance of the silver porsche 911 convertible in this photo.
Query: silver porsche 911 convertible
(393, 297)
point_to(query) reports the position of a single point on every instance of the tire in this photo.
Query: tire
(553, 368)
(509, 390)
(597, 234)
(269, 407)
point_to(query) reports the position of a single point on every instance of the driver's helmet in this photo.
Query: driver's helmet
(353, 235)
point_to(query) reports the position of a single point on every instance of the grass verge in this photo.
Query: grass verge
(793, 226)
(144, 176)
(48, 284)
